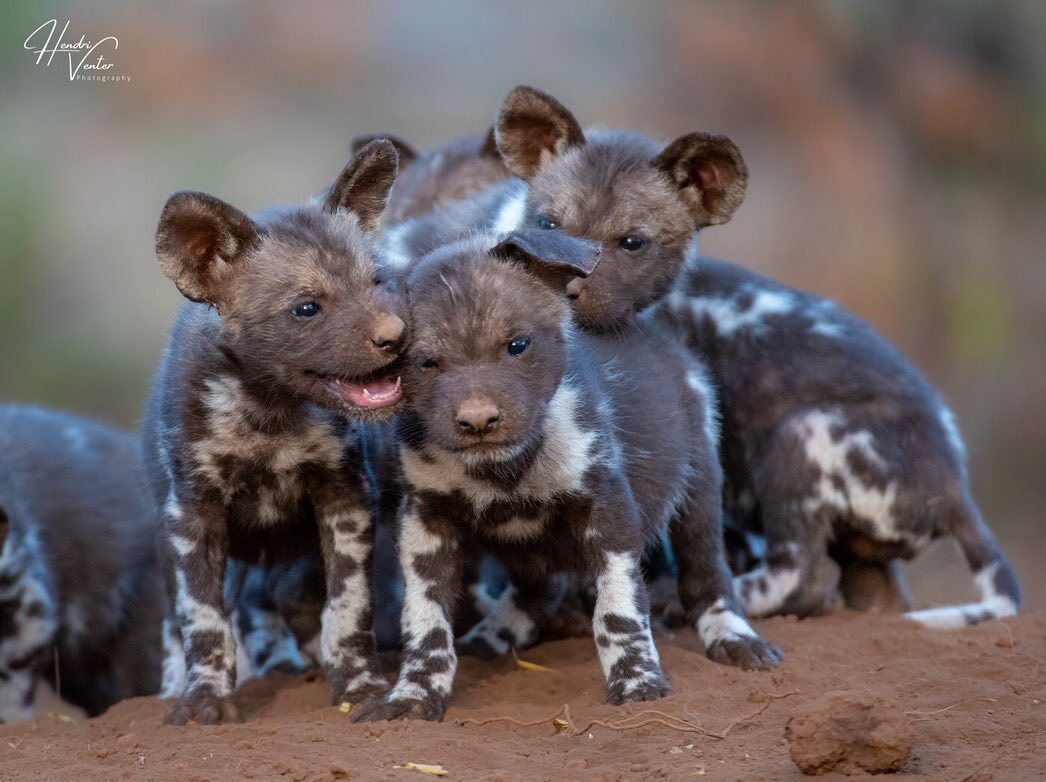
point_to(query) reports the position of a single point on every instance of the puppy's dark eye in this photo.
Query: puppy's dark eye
(429, 363)
(306, 309)
(547, 223)
(631, 243)
(377, 279)
(517, 346)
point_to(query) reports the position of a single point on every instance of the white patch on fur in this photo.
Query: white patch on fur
(992, 602)
(718, 624)
(197, 617)
(22, 563)
(511, 212)
(342, 616)
(421, 615)
(566, 455)
(394, 252)
(173, 681)
(780, 583)
(951, 431)
(268, 632)
(698, 382)
(870, 503)
(351, 544)
(519, 529)
(729, 318)
(232, 435)
(182, 545)
(826, 329)
(616, 595)
(172, 509)
(692, 251)
(504, 615)
(13, 707)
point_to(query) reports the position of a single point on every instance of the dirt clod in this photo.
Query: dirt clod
(849, 732)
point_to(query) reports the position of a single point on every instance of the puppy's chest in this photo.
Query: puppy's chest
(263, 469)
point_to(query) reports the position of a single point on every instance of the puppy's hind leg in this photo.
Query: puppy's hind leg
(798, 504)
(992, 573)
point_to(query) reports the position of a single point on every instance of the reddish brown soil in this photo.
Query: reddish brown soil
(975, 699)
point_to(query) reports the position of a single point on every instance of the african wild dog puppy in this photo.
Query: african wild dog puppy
(641, 201)
(559, 452)
(835, 446)
(79, 581)
(293, 339)
(893, 469)
(277, 607)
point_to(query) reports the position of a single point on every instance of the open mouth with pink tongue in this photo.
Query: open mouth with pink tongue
(369, 394)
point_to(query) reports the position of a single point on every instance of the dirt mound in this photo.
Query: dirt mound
(850, 732)
(973, 700)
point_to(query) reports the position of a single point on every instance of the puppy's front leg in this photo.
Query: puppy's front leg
(347, 647)
(196, 537)
(621, 620)
(430, 555)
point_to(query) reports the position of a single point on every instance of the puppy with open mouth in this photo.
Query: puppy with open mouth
(294, 339)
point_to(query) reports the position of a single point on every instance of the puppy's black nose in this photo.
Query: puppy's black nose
(388, 332)
(478, 416)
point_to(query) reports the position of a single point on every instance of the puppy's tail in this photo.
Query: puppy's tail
(997, 583)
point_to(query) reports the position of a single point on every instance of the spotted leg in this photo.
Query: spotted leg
(799, 501)
(515, 618)
(621, 619)
(347, 650)
(430, 555)
(196, 543)
(705, 586)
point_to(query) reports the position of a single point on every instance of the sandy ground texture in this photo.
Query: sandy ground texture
(975, 700)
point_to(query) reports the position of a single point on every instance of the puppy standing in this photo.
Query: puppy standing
(831, 439)
(78, 564)
(250, 449)
(559, 453)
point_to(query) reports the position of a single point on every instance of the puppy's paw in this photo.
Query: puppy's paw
(364, 694)
(203, 708)
(430, 709)
(749, 653)
(647, 688)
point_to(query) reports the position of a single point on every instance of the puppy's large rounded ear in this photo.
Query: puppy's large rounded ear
(710, 173)
(198, 240)
(403, 149)
(364, 184)
(552, 256)
(532, 128)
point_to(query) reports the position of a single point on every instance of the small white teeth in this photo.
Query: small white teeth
(399, 383)
(367, 393)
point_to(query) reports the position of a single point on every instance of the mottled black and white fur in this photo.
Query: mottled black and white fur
(563, 459)
(81, 597)
(834, 446)
(250, 436)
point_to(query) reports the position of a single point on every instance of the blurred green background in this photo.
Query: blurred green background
(897, 153)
